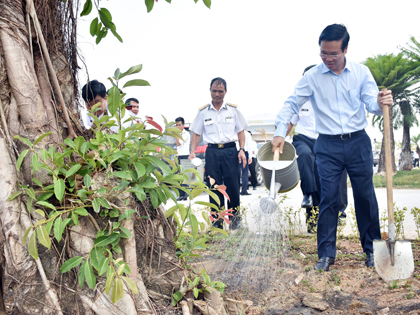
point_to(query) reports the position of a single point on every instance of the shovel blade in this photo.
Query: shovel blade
(404, 263)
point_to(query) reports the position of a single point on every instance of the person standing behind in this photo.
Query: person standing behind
(253, 149)
(221, 124)
(183, 148)
(304, 142)
(339, 91)
(132, 106)
(244, 169)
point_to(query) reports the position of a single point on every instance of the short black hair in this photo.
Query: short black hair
(335, 32)
(308, 68)
(127, 102)
(91, 89)
(218, 81)
(180, 119)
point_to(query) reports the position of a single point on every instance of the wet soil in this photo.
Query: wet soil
(288, 284)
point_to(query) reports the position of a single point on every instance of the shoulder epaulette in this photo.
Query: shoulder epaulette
(202, 107)
(233, 105)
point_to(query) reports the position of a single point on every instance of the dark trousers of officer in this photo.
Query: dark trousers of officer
(244, 171)
(182, 157)
(309, 178)
(253, 173)
(222, 166)
(354, 154)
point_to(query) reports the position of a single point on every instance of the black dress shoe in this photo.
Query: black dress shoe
(179, 198)
(307, 202)
(370, 260)
(245, 193)
(235, 224)
(324, 263)
(255, 188)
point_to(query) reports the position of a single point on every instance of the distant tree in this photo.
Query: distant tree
(400, 75)
(415, 141)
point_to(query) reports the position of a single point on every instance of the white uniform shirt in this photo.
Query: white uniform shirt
(306, 119)
(136, 120)
(184, 148)
(89, 121)
(253, 149)
(219, 126)
(248, 140)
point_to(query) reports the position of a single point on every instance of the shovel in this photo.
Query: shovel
(268, 205)
(393, 259)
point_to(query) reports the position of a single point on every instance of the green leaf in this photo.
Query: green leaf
(149, 5)
(154, 198)
(29, 204)
(87, 181)
(170, 211)
(117, 74)
(45, 196)
(37, 182)
(130, 283)
(177, 296)
(220, 231)
(69, 142)
(132, 70)
(59, 187)
(31, 193)
(117, 291)
(87, 8)
(25, 235)
(71, 263)
(102, 190)
(25, 140)
(207, 204)
(14, 195)
(194, 225)
(127, 214)
(106, 239)
(126, 231)
(140, 169)
(89, 275)
(103, 265)
(42, 137)
(117, 249)
(207, 3)
(195, 292)
(159, 163)
(114, 213)
(43, 236)
(96, 256)
(114, 99)
(104, 202)
(40, 212)
(73, 170)
(136, 82)
(20, 159)
(96, 205)
(33, 250)
(82, 274)
(109, 281)
(58, 228)
(81, 211)
(105, 17)
(47, 204)
(122, 174)
(49, 225)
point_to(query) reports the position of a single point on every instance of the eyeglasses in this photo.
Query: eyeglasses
(333, 56)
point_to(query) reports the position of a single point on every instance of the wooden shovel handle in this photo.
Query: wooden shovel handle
(388, 165)
(276, 155)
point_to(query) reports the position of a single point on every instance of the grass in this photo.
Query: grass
(402, 180)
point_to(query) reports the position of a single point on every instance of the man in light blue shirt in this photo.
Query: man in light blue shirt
(339, 91)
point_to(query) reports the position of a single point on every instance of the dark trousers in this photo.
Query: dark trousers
(309, 178)
(182, 157)
(333, 155)
(253, 173)
(222, 166)
(244, 172)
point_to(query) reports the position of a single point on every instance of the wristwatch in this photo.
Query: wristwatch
(242, 149)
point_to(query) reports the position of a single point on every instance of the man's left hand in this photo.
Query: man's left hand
(385, 98)
(249, 160)
(242, 158)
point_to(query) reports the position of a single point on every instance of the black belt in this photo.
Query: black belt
(343, 136)
(221, 145)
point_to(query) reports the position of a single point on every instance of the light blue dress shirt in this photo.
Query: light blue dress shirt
(339, 101)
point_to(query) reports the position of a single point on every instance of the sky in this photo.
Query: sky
(259, 47)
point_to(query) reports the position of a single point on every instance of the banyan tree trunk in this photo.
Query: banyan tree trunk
(35, 98)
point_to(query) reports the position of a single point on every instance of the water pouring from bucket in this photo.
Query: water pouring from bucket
(280, 173)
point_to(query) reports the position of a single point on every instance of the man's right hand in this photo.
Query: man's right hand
(192, 156)
(277, 142)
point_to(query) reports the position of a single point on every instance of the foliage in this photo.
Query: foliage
(131, 165)
(399, 216)
(197, 286)
(416, 214)
(103, 23)
(401, 180)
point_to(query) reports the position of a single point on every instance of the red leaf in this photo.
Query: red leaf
(226, 220)
(154, 124)
(222, 189)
